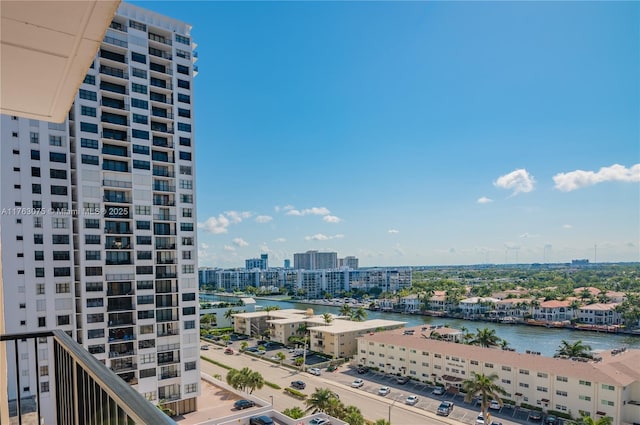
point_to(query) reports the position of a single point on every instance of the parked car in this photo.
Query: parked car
(402, 380)
(363, 369)
(314, 371)
(438, 391)
(550, 420)
(243, 404)
(411, 400)
(204, 347)
(228, 350)
(261, 420)
(298, 385)
(319, 421)
(357, 383)
(480, 419)
(535, 416)
(445, 408)
(384, 390)
(494, 405)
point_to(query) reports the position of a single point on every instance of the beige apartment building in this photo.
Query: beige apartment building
(609, 386)
(338, 338)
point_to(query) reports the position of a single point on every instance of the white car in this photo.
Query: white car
(438, 391)
(494, 405)
(384, 390)
(314, 371)
(480, 419)
(411, 400)
(357, 383)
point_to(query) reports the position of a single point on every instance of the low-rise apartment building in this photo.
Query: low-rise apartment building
(609, 386)
(336, 338)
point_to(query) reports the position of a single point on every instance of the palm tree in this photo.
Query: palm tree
(229, 314)
(353, 416)
(320, 400)
(358, 315)
(576, 349)
(345, 310)
(282, 357)
(484, 386)
(244, 345)
(294, 412)
(245, 379)
(162, 405)
(588, 420)
(328, 318)
(504, 344)
(486, 338)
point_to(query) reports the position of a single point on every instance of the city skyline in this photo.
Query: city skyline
(416, 133)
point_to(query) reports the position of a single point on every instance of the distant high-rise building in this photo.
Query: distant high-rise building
(102, 222)
(349, 262)
(314, 260)
(287, 263)
(261, 263)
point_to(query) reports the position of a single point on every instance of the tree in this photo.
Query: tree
(486, 338)
(328, 318)
(382, 422)
(358, 315)
(207, 319)
(484, 386)
(320, 400)
(282, 357)
(244, 345)
(345, 310)
(576, 349)
(353, 416)
(229, 314)
(245, 379)
(588, 420)
(294, 412)
(298, 361)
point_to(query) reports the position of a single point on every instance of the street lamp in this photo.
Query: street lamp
(391, 405)
(271, 401)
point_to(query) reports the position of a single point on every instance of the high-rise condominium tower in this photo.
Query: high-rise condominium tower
(98, 216)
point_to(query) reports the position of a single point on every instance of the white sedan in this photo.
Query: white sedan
(384, 390)
(411, 400)
(357, 383)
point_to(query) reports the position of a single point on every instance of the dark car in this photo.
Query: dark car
(445, 408)
(535, 416)
(550, 420)
(298, 385)
(243, 404)
(261, 420)
(363, 369)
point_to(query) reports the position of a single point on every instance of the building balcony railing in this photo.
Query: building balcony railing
(169, 375)
(164, 217)
(72, 404)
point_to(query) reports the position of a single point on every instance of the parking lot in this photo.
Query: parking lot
(463, 411)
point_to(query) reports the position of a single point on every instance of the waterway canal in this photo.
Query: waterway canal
(520, 337)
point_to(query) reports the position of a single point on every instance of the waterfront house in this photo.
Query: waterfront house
(476, 307)
(553, 311)
(599, 314)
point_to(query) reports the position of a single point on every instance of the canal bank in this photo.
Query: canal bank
(520, 337)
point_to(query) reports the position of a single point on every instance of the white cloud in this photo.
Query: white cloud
(240, 242)
(280, 240)
(567, 226)
(528, 235)
(229, 248)
(520, 181)
(308, 211)
(331, 219)
(204, 246)
(237, 217)
(263, 218)
(566, 182)
(393, 231)
(484, 200)
(215, 225)
(322, 237)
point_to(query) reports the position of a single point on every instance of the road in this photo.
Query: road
(366, 399)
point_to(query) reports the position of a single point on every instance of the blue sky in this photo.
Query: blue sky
(415, 133)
